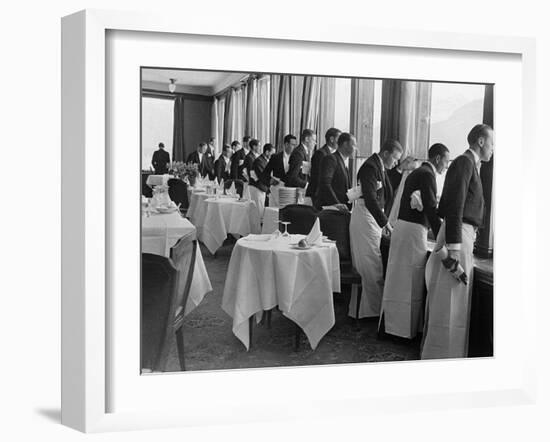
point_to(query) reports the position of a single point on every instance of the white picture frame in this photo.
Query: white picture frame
(86, 356)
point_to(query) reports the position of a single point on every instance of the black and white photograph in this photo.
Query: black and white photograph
(300, 220)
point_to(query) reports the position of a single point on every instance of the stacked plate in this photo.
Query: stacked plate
(287, 195)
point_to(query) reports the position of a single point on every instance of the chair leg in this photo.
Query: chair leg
(179, 343)
(296, 337)
(250, 326)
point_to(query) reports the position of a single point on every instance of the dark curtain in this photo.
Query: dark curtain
(484, 242)
(391, 100)
(178, 149)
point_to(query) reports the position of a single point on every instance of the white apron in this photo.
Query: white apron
(404, 285)
(448, 303)
(258, 197)
(365, 236)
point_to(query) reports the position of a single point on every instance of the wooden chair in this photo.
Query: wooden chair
(300, 216)
(165, 289)
(335, 225)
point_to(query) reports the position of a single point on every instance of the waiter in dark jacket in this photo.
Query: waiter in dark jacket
(161, 160)
(334, 175)
(222, 166)
(279, 162)
(404, 286)
(298, 163)
(330, 146)
(369, 219)
(259, 182)
(204, 160)
(237, 161)
(461, 207)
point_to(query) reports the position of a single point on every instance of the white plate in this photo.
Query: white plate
(297, 247)
(166, 209)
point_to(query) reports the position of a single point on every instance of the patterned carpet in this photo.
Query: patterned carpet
(211, 345)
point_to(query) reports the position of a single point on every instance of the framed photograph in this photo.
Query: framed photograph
(256, 320)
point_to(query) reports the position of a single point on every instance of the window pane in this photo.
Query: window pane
(456, 108)
(342, 104)
(157, 120)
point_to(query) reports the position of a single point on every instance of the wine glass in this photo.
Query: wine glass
(285, 233)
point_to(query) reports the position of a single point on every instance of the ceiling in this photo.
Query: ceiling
(213, 81)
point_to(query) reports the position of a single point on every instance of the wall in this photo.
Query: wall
(196, 123)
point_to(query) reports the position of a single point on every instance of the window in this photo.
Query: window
(342, 103)
(157, 126)
(456, 108)
(377, 115)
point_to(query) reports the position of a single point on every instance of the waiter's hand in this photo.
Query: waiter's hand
(455, 254)
(387, 230)
(342, 207)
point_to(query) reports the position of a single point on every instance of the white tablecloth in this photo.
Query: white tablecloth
(264, 274)
(218, 217)
(197, 207)
(159, 232)
(270, 222)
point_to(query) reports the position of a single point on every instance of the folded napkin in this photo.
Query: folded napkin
(253, 175)
(245, 174)
(452, 265)
(221, 184)
(232, 190)
(416, 201)
(246, 192)
(315, 236)
(354, 193)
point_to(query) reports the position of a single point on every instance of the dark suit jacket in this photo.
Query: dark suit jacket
(276, 165)
(264, 181)
(334, 181)
(316, 160)
(206, 166)
(160, 160)
(249, 163)
(236, 170)
(219, 169)
(422, 179)
(377, 189)
(462, 197)
(295, 177)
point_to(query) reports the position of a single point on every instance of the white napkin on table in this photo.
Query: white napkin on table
(315, 236)
(416, 201)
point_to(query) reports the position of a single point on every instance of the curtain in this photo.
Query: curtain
(310, 103)
(362, 115)
(406, 107)
(251, 128)
(326, 114)
(178, 148)
(221, 119)
(274, 105)
(282, 118)
(296, 96)
(214, 127)
(263, 110)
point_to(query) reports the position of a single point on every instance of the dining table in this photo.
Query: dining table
(216, 217)
(161, 231)
(266, 271)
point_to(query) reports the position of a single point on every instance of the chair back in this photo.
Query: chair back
(335, 225)
(183, 255)
(239, 186)
(177, 190)
(300, 216)
(159, 282)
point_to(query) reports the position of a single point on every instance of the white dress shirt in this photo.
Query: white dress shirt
(286, 157)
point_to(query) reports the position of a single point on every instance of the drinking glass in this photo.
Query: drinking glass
(285, 233)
